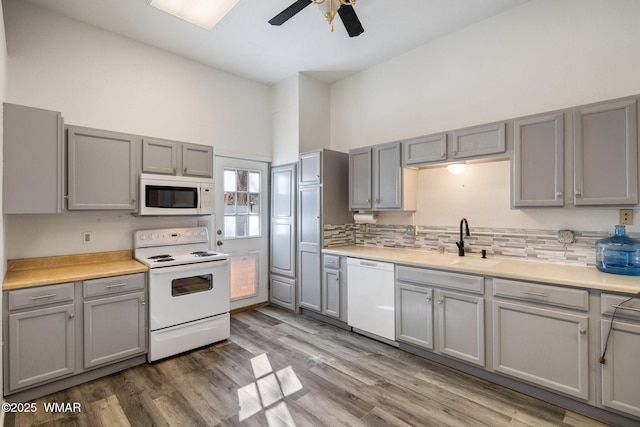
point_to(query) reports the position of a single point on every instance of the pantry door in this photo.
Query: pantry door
(242, 207)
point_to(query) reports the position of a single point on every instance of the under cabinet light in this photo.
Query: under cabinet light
(457, 168)
(203, 13)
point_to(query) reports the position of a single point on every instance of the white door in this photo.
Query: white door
(241, 230)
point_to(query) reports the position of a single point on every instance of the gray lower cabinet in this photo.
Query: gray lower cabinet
(621, 370)
(33, 160)
(543, 337)
(537, 162)
(101, 172)
(40, 337)
(334, 287)
(414, 316)
(47, 329)
(282, 291)
(114, 328)
(606, 154)
(309, 246)
(441, 311)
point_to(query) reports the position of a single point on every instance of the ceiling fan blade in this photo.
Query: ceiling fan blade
(289, 12)
(350, 20)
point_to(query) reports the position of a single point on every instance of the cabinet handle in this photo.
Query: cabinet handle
(583, 332)
(558, 194)
(337, 277)
(142, 302)
(175, 170)
(42, 297)
(185, 171)
(119, 285)
(627, 308)
(428, 299)
(536, 294)
(578, 193)
(440, 301)
(71, 315)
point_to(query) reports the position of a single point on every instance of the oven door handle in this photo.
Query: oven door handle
(187, 267)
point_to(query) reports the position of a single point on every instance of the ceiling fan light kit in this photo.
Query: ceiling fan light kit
(329, 8)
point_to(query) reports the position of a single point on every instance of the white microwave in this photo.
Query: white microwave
(175, 195)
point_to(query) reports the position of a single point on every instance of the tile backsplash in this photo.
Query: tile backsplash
(533, 245)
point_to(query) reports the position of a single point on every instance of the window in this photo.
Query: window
(241, 203)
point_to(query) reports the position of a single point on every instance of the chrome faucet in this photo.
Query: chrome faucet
(460, 244)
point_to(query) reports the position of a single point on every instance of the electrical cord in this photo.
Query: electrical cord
(613, 318)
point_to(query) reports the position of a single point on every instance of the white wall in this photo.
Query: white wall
(102, 80)
(314, 114)
(540, 56)
(286, 126)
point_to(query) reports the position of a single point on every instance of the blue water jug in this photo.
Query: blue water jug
(618, 254)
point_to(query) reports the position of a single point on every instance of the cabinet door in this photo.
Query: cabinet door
(102, 170)
(360, 179)
(41, 345)
(478, 141)
(114, 328)
(545, 347)
(414, 315)
(159, 156)
(424, 150)
(282, 291)
(461, 326)
(283, 220)
(331, 292)
(606, 154)
(387, 177)
(309, 245)
(33, 161)
(621, 370)
(309, 167)
(538, 161)
(197, 160)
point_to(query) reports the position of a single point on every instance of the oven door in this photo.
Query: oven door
(185, 293)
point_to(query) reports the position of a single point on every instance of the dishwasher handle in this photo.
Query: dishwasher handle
(357, 262)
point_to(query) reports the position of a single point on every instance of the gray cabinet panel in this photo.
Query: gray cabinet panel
(41, 345)
(282, 291)
(387, 177)
(102, 170)
(414, 315)
(40, 296)
(606, 154)
(331, 292)
(283, 248)
(33, 161)
(310, 280)
(478, 141)
(309, 245)
(114, 328)
(424, 150)
(159, 156)
(283, 220)
(310, 165)
(461, 326)
(360, 179)
(538, 161)
(545, 347)
(197, 160)
(621, 371)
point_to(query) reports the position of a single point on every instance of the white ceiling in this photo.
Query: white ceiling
(244, 43)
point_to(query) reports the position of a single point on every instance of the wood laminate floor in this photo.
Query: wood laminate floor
(281, 369)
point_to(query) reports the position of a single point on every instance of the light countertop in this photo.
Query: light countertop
(27, 272)
(560, 274)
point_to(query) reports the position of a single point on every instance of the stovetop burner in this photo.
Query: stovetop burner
(158, 257)
(203, 253)
(163, 259)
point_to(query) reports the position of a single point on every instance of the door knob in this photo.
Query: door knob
(219, 243)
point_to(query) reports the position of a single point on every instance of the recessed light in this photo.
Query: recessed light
(203, 13)
(457, 168)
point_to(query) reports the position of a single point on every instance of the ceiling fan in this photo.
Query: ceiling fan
(329, 8)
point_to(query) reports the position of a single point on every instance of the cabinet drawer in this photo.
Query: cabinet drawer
(546, 294)
(42, 295)
(631, 308)
(113, 285)
(464, 282)
(331, 261)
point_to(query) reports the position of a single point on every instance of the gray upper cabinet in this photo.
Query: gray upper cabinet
(424, 150)
(310, 165)
(478, 141)
(101, 170)
(606, 154)
(176, 158)
(360, 179)
(537, 163)
(377, 180)
(33, 161)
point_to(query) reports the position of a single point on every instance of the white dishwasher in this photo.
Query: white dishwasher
(371, 298)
